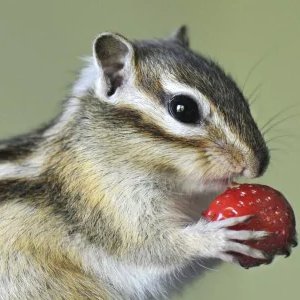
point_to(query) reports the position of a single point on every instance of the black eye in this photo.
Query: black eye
(184, 109)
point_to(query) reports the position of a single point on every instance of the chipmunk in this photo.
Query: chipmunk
(98, 204)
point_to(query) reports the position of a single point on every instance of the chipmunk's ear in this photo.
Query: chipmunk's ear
(114, 55)
(181, 36)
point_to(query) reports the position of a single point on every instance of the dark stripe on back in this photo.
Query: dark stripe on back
(18, 148)
(21, 188)
(70, 207)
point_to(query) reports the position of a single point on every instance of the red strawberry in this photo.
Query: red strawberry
(271, 212)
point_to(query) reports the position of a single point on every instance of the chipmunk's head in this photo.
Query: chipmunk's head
(171, 109)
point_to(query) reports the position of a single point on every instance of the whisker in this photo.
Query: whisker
(278, 114)
(272, 126)
(255, 90)
(254, 99)
(255, 94)
(276, 149)
(280, 136)
(253, 69)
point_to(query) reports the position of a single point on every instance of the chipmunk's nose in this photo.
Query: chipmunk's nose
(257, 163)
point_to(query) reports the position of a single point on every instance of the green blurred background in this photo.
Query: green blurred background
(41, 42)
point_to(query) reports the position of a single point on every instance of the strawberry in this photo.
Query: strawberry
(271, 212)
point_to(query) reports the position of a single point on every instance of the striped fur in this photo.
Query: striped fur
(102, 203)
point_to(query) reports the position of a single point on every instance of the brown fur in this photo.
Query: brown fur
(101, 203)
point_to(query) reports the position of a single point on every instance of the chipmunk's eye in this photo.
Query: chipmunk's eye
(184, 109)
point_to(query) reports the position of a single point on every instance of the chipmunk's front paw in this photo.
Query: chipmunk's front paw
(221, 241)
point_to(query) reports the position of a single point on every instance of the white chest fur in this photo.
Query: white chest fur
(128, 281)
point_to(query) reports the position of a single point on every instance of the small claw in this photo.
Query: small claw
(294, 243)
(269, 260)
(268, 257)
(245, 267)
(286, 252)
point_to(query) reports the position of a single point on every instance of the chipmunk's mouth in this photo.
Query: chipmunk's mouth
(222, 182)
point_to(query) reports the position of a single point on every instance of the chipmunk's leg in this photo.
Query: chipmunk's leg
(177, 247)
